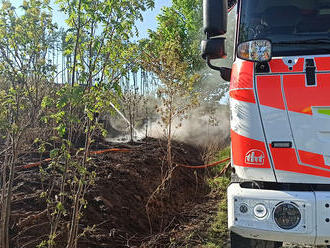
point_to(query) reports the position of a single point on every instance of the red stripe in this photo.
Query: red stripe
(277, 66)
(322, 63)
(285, 159)
(241, 146)
(300, 98)
(242, 74)
(245, 95)
(312, 159)
(270, 91)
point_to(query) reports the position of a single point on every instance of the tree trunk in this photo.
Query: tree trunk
(76, 46)
(6, 207)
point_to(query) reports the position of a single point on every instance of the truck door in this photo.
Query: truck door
(294, 100)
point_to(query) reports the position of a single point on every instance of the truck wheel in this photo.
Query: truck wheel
(238, 241)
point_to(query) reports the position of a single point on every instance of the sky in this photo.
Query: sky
(149, 17)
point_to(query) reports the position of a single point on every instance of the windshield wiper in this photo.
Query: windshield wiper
(310, 41)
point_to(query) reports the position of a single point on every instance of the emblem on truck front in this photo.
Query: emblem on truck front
(255, 157)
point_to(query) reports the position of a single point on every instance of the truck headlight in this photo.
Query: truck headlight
(255, 50)
(287, 215)
(260, 211)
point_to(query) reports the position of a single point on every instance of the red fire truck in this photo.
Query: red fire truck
(280, 118)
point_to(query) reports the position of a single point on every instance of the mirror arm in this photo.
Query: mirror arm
(224, 71)
(212, 66)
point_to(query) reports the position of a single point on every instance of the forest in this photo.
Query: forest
(97, 127)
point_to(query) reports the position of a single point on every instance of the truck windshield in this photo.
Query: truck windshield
(295, 27)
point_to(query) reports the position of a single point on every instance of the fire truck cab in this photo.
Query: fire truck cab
(280, 118)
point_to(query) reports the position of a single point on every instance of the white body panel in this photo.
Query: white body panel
(247, 225)
(245, 120)
(308, 132)
(253, 174)
(276, 124)
(322, 217)
(287, 176)
(313, 134)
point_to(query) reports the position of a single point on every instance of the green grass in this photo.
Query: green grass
(212, 231)
(224, 153)
(217, 234)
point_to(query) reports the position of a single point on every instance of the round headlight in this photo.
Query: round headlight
(287, 216)
(260, 211)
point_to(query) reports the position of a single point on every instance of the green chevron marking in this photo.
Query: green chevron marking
(324, 111)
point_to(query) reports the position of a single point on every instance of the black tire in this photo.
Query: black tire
(238, 241)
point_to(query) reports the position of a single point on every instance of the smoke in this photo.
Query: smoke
(205, 125)
(202, 127)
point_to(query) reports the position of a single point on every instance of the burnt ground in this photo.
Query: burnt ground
(117, 201)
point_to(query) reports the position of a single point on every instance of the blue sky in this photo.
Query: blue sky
(149, 17)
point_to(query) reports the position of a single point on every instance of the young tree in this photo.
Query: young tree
(176, 83)
(176, 94)
(183, 20)
(171, 53)
(98, 44)
(68, 177)
(131, 100)
(24, 43)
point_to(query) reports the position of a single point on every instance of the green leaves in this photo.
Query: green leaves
(170, 55)
(25, 40)
(99, 37)
(61, 129)
(60, 207)
(181, 22)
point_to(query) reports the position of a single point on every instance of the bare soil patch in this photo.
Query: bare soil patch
(117, 202)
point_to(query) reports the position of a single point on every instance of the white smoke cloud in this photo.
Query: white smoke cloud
(200, 128)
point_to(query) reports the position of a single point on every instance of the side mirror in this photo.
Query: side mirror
(215, 23)
(213, 48)
(215, 17)
(255, 50)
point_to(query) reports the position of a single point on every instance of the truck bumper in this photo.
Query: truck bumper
(314, 225)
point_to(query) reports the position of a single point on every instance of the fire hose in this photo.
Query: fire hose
(37, 164)
(98, 152)
(205, 165)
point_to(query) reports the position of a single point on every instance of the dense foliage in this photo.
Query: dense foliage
(56, 84)
(61, 120)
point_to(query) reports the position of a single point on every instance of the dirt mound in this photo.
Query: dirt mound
(117, 202)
